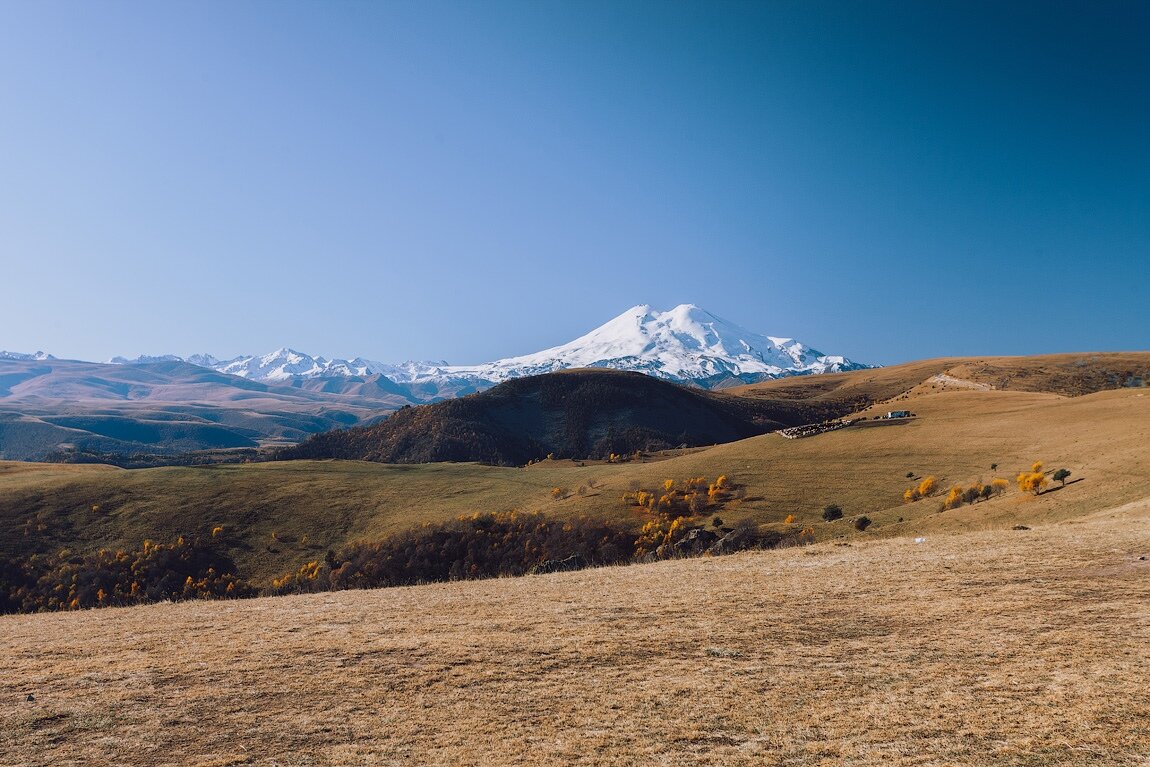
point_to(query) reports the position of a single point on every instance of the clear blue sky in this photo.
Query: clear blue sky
(472, 180)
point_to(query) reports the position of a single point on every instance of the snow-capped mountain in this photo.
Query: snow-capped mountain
(686, 344)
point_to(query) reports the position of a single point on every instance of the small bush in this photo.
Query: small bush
(862, 523)
(832, 512)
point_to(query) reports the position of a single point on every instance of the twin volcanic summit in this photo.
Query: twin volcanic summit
(168, 405)
(686, 345)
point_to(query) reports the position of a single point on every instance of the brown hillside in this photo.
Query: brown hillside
(1069, 375)
(571, 414)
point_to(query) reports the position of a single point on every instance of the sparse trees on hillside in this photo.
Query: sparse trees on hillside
(959, 496)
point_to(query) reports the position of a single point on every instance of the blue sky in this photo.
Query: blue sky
(467, 181)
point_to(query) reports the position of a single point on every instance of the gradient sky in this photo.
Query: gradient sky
(473, 180)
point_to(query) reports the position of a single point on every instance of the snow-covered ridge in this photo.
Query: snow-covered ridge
(686, 344)
(21, 356)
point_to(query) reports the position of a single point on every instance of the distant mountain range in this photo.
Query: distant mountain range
(686, 345)
(168, 404)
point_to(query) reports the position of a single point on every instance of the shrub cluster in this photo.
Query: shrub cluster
(672, 507)
(473, 546)
(683, 498)
(188, 568)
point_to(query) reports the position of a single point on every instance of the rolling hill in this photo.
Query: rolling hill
(1068, 375)
(570, 414)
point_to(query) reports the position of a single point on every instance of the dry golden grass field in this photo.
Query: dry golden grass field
(997, 647)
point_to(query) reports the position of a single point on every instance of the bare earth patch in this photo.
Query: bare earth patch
(946, 382)
(985, 648)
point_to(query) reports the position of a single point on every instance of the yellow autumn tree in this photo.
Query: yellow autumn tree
(1031, 481)
(953, 498)
(926, 487)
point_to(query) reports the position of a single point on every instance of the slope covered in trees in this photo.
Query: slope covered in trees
(572, 414)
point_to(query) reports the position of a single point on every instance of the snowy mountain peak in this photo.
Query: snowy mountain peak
(285, 356)
(686, 343)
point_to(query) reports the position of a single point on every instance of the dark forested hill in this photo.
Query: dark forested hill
(570, 414)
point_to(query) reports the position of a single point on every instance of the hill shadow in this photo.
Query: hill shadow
(1060, 487)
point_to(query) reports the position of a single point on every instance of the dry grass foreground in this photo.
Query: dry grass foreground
(982, 648)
